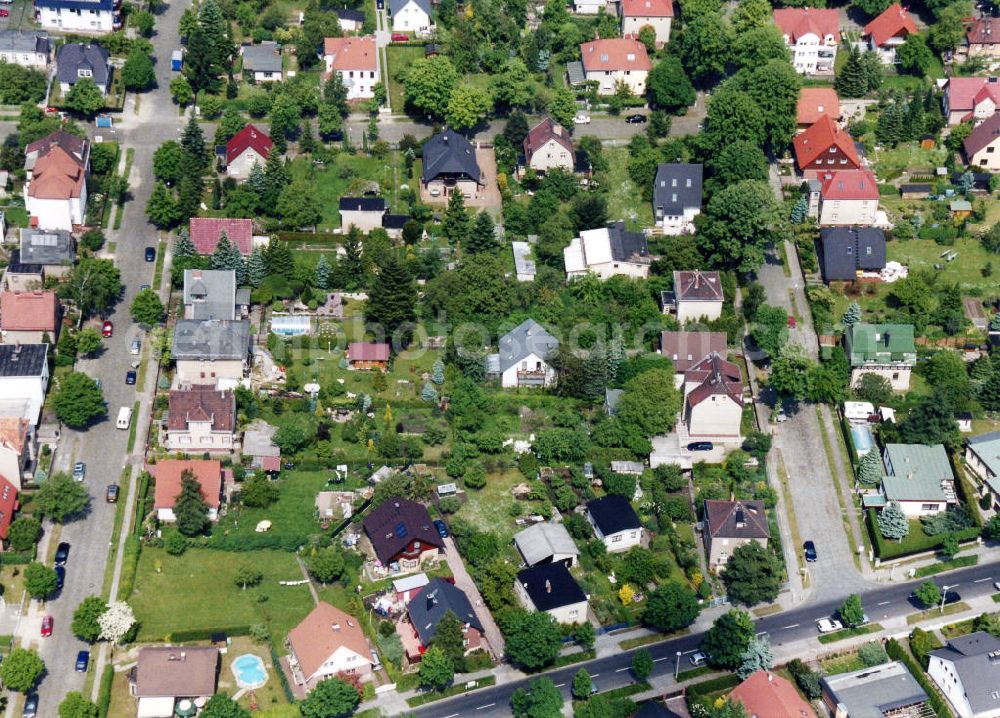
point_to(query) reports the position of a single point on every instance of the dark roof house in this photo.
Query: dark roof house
(47, 247)
(550, 586)
(211, 340)
(968, 671)
(527, 338)
(613, 514)
(362, 204)
(736, 519)
(28, 42)
(428, 607)
(265, 57)
(846, 250)
(677, 187)
(75, 61)
(396, 524)
(715, 377)
(449, 156)
(201, 403)
(23, 360)
(698, 286)
(209, 294)
(685, 349)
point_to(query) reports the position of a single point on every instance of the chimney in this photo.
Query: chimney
(548, 586)
(770, 678)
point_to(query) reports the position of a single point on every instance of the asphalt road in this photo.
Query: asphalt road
(798, 625)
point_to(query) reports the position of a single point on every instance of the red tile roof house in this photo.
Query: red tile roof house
(200, 418)
(548, 146)
(17, 448)
(368, 355)
(657, 14)
(613, 61)
(26, 317)
(971, 98)
(55, 196)
(355, 59)
(824, 147)
(982, 38)
(812, 35)
(848, 198)
(248, 147)
(713, 400)
(205, 233)
(814, 103)
(328, 642)
(731, 524)
(685, 349)
(697, 295)
(8, 505)
(168, 474)
(767, 695)
(400, 536)
(888, 31)
(982, 147)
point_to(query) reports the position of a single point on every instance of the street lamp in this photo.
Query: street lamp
(944, 594)
(677, 666)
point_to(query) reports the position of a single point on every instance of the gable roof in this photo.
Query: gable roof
(47, 246)
(168, 474)
(428, 607)
(982, 136)
(977, 663)
(716, 376)
(205, 233)
(696, 285)
(819, 138)
(368, 351)
(351, 53)
(363, 204)
(845, 250)
(880, 343)
(736, 519)
(76, 146)
(893, 22)
(540, 542)
(614, 54)
(396, 5)
(964, 93)
(175, 671)
(265, 57)
(984, 31)
(449, 153)
(211, 340)
(29, 311)
(647, 8)
(795, 22)
(344, 13)
(527, 338)
(395, 523)
(321, 633)
(14, 433)
(850, 184)
(613, 513)
(915, 472)
(874, 691)
(201, 403)
(18, 360)
(24, 42)
(987, 448)
(250, 137)
(677, 186)
(685, 349)
(57, 174)
(817, 102)
(8, 505)
(210, 293)
(74, 56)
(541, 133)
(612, 243)
(767, 694)
(550, 585)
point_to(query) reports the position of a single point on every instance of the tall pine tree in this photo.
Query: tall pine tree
(190, 508)
(279, 260)
(482, 237)
(352, 265)
(852, 80)
(184, 247)
(392, 299)
(256, 269)
(457, 223)
(323, 273)
(193, 143)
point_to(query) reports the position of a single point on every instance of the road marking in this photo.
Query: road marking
(558, 685)
(665, 658)
(453, 715)
(794, 625)
(883, 603)
(619, 670)
(980, 580)
(488, 705)
(594, 675)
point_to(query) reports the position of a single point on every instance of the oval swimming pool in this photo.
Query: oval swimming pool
(249, 671)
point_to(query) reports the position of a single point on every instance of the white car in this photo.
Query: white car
(582, 118)
(829, 625)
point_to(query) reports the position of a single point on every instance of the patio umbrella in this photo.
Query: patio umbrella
(185, 708)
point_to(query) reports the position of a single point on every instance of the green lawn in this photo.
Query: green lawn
(489, 507)
(890, 163)
(399, 57)
(964, 270)
(197, 591)
(624, 197)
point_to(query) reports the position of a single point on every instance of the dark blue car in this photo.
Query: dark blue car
(82, 661)
(60, 577)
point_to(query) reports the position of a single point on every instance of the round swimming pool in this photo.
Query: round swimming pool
(249, 671)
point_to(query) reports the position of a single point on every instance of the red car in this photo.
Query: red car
(47, 626)
(400, 37)
(4, 12)
(107, 330)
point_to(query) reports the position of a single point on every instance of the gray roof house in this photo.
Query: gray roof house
(449, 157)
(546, 543)
(677, 190)
(47, 247)
(521, 360)
(874, 692)
(982, 457)
(211, 340)
(263, 60)
(428, 607)
(209, 294)
(967, 671)
(918, 477)
(75, 61)
(27, 48)
(848, 250)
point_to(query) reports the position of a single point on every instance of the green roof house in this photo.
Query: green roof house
(982, 458)
(884, 349)
(919, 478)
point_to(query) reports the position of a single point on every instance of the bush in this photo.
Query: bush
(872, 654)
(896, 652)
(449, 504)
(806, 678)
(104, 696)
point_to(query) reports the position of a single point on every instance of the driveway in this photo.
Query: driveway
(464, 581)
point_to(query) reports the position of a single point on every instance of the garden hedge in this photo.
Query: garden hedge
(713, 685)
(104, 696)
(204, 634)
(915, 542)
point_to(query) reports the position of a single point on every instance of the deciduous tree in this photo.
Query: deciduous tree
(93, 285)
(86, 618)
(851, 612)
(753, 574)
(84, 98)
(331, 698)
(668, 86)
(327, 565)
(533, 640)
(436, 670)
(727, 640)
(40, 580)
(222, 706)
(582, 685)
(147, 309)
(74, 705)
(928, 593)
(21, 669)
(137, 72)
(429, 83)
(670, 607)
(117, 622)
(78, 401)
(540, 700)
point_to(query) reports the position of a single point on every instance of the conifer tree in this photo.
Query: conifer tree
(852, 80)
(193, 142)
(392, 299)
(870, 471)
(256, 180)
(323, 273)
(256, 270)
(800, 210)
(437, 372)
(852, 315)
(457, 223)
(482, 237)
(184, 247)
(892, 522)
(190, 508)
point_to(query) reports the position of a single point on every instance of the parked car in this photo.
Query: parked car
(47, 624)
(60, 577)
(107, 329)
(441, 528)
(79, 471)
(780, 416)
(130, 377)
(701, 446)
(829, 625)
(810, 551)
(150, 254)
(62, 554)
(82, 661)
(144, 287)
(4, 12)
(636, 119)
(112, 494)
(134, 347)
(581, 118)
(698, 658)
(30, 706)
(400, 37)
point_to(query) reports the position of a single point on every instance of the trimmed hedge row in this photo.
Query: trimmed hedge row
(104, 696)
(275, 661)
(911, 544)
(898, 653)
(12, 558)
(713, 685)
(204, 634)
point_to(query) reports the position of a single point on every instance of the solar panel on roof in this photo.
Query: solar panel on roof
(401, 530)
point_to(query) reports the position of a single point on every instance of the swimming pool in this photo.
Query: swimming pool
(861, 437)
(249, 671)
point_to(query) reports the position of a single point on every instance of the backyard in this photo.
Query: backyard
(398, 58)
(625, 200)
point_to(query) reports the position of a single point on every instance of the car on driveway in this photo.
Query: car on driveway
(79, 471)
(701, 446)
(107, 329)
(441, 528)
(150, 254)
(47, 624)
(400, 37)
(62, 554)
(130, 377)
(30, 706)
(698, 658)
(112, 494)
(829, 625)
(82, 661)
(636, 119)
(60, 577)
(810, 551)
(581, 118)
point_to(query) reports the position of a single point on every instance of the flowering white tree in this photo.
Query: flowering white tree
(116, 622)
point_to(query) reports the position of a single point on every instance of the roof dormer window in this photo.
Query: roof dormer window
(83, 72)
